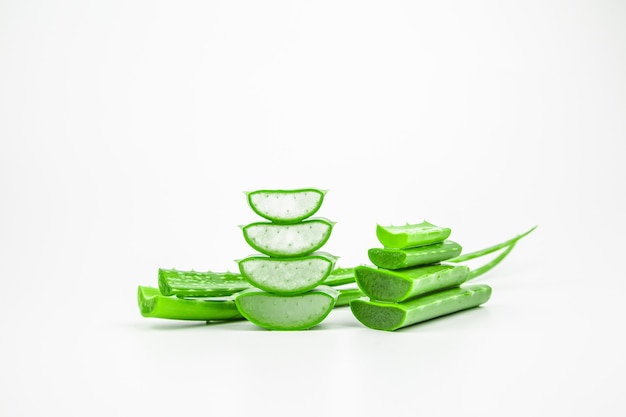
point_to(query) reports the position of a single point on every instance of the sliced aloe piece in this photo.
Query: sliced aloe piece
(411, 235)
(200, 284)
(286, 206)
(393, 316)
(288, 239)
(397, 286)
(347, 295)
(153, 304)
(340, 276)
(286, 312)
(287, 275)
(405, 258)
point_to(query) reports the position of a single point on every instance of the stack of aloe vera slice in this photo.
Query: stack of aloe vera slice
(409, 283)
(288, 272)
(280, 288)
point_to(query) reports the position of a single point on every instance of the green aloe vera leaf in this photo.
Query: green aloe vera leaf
(491, 249)
(393, 316)
(153, 304)
(347, 295)
(286, 206)
(488, 266)
(397, 286)
(287, 240)
(287, 275)
(422, 255)
(195, 285)
(411, 235)
(286, 312)
(200, 284)
(340, 276)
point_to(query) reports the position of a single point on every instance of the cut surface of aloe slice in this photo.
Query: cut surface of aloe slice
(153, 304)
(288, 239)
(287, 275)
(411, 235)
(400, 285)
(393, 316)
(286, 312)
(286, 206)
(422, 255)
(200, 284)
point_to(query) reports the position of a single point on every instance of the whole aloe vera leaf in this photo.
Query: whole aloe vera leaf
(393, 316)
(422, 255)
(286, 312)
(287, 275)
(345, 296)
(286, 206)
(200, 284)
(397, 286)
(490, 249)
(193, 284)
(153, 304)
(288, 240)
(411, 235)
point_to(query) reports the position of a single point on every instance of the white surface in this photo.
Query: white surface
(129, 131)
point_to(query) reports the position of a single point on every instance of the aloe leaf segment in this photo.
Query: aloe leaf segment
(411, 235)
(393, 316)
(153, 304)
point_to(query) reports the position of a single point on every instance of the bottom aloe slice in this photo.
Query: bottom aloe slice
(286, 312)
(400, 285)
(153, 304)
(393, 316)
(287, 275)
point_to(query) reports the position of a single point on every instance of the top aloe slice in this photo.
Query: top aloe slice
(288, 240)
(411, 235)
(286, 206)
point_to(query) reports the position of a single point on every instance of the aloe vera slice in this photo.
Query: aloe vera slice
(286, 206)
(200, 284)
(411, 235)
(422, 255)
(393, 316)
(153, 304)
(286, 312)
(287, 275)
(397, 286)
(286, 240)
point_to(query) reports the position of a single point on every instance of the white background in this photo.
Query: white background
(129, 131)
